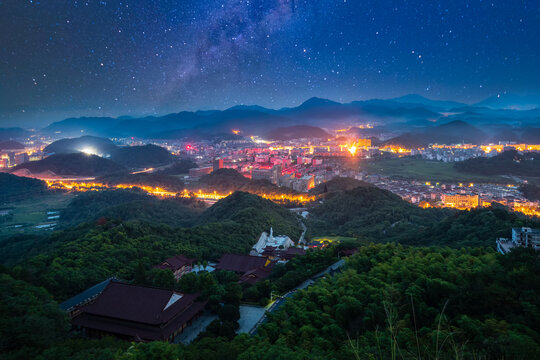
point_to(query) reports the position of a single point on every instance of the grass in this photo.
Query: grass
(425, 170)
(32, 212)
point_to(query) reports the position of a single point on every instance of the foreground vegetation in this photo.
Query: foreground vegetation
(377, 215)
(435, 290)
(390, 302)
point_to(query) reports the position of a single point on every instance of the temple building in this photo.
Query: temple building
(179, 265)
(138, 313)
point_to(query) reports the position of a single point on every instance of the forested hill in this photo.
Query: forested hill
(338, 184)
(13, 188)
(422, 303)
(508, 163)
(128, 205)
(142, 156)
(253, 211)
(78, 164)
(378, 215)
(167, 182)
(97, 145)
(230, 180)
(68, 261)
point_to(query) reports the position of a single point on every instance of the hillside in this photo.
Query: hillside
(507, 163)
(253, 211)
(167, 182)
(297, 132)
(377, 215)
(89, 144)
(229, 180)
(77, 164)
(15, 133)
(453, 132)
(128, 205)
(11, 145)
(89, 253)
(142, 156)
(338, 184)
(13, 188)
(181, 166)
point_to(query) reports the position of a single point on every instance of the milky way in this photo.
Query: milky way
(111, 58)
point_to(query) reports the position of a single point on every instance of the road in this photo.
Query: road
(279, 303)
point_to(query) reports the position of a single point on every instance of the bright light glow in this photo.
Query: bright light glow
(89, 150)
(352, 149)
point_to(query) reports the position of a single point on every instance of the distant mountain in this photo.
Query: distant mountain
(453, 132)
(13, 134)
(316, 102)
(77, 164)
(511, 101)
(418, 99)
(297, 132)
(142, 156)
(251, 120)
(11, 145)
(400, 113)
(95, 145)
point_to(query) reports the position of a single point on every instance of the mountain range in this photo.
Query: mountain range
(406, 113)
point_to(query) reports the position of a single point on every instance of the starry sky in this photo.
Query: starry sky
(61, 58)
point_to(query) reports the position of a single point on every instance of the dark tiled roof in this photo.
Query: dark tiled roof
(85, 295)
(137, 303)
(241, 263)
(253, 276)
(176, 262)
(138, 331)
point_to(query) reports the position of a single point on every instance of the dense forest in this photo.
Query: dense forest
(168, 182)
(390, 302)
(230, 180)
(69, 261)
(377, 215)
(507, 163)
(130, 205)
(14, 188)
(438, 291)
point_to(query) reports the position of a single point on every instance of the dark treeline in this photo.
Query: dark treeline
(15, 188)
(508, 163)
(377, 215)
(389, 302)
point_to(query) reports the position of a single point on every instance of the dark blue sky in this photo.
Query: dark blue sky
(74, 58)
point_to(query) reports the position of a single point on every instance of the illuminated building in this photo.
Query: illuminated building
(218, 164)
(521, 237)
(460, 201)
(271, 174)
(364, 143)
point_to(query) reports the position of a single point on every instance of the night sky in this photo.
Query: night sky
(110, 58)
